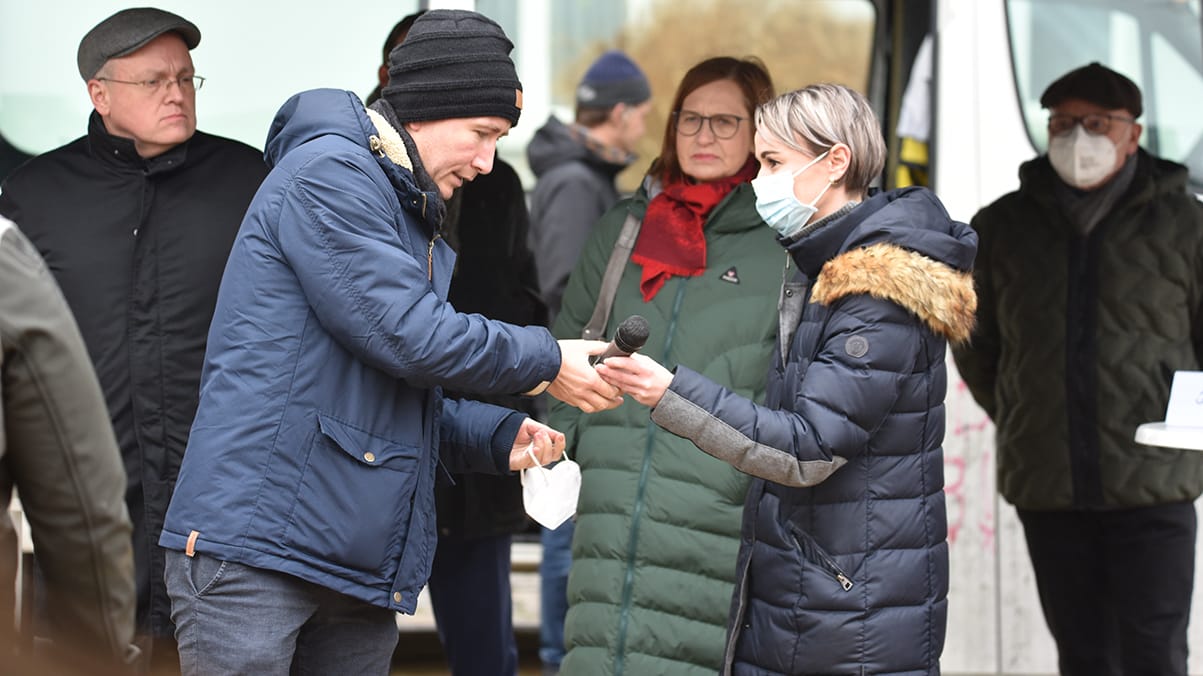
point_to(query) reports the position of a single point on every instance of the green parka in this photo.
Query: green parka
(1078, 338)
(657, 528)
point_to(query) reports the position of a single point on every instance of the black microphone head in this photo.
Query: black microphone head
(631, 334)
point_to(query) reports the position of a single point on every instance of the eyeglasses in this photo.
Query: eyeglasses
(186, 83)
(1095, 124)
(689, 123)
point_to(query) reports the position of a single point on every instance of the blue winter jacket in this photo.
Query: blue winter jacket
(843, 564)
(321, 419)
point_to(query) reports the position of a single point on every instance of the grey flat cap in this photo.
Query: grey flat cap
(127, 31)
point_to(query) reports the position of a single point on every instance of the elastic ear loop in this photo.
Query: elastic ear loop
(530, 450)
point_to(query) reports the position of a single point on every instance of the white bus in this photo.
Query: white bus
(977, 111)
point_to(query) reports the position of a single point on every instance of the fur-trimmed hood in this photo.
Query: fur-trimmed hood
(941, 296)
(900, 246)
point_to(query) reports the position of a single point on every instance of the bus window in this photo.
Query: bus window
(1158, 44)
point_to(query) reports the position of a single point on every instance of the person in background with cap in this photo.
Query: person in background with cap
(135, 220)
(304, 516)
(577, 164)
(478, 514)
(1088, 280)
(576, 168)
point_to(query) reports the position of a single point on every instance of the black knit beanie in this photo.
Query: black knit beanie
(454, 63)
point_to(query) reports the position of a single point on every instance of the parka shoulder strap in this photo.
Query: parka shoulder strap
(596, 328)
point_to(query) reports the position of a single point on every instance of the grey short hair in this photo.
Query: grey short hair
(815, 118)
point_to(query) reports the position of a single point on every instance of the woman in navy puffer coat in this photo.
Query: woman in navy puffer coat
(843, 565)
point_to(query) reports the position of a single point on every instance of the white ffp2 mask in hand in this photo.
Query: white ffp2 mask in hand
(550, 495)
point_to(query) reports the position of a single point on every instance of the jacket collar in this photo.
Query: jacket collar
(899, 246)
(388, 141)
(395, 151)
(120, 152)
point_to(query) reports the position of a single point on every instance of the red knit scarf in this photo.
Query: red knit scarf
(671, 241)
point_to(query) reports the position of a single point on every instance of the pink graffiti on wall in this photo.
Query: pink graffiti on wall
(969, 447)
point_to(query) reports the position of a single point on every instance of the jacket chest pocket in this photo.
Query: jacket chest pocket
(354, 499)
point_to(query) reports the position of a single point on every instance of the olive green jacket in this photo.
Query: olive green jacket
(1078, 337)
(657, 528)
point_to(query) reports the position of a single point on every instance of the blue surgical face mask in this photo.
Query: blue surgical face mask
(777, 204)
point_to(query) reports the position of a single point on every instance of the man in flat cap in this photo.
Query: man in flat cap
(1089, 298)
(304, 517)
(135, 220)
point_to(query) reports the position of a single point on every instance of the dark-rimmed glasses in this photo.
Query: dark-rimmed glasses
(1095, 124)
(689, 123)
(159, 85)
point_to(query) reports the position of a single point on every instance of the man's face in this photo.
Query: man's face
(457, 150)
(156, 119)
(1121, 129)
(633, 124)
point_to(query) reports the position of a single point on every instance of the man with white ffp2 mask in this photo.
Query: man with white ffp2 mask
(1088, 300)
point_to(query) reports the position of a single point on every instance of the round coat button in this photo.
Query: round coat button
(856, 346)
(370, 457)
(397, 597)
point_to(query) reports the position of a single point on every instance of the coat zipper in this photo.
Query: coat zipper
(811, 551)
(430, 258)
(637, 513)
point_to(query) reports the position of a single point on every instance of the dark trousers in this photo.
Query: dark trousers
(1115, 586)
(470, 593)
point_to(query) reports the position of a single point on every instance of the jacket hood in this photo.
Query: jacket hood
(555, 144)
(312, 114)
(903, 247)
(321, 113)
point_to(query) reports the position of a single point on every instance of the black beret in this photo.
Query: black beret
(127, 31)
(453, 63)
(1097, 84)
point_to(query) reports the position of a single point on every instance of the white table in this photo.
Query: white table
(1160, 434)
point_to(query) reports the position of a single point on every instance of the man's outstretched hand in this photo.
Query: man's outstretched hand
(577, 383)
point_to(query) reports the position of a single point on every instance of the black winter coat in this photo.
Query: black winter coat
(1078, 338)
(487, 225)
(10, 158)
(138, 247)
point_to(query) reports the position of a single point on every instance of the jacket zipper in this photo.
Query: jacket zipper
(637, 513)
(813, 553)
(430, 258)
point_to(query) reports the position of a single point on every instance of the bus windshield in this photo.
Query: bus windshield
(1156, 43)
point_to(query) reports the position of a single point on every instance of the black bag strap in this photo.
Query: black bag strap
(596, 328)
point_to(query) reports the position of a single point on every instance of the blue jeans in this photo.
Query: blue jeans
(470, 594)
(553, 588)
(235, 619)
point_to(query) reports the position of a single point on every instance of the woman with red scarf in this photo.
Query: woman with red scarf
(658, 523)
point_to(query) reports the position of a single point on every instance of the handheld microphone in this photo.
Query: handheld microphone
(630, 335)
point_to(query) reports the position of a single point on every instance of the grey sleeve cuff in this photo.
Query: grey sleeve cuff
(714, 436)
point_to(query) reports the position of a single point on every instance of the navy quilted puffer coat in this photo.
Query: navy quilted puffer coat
(843, 564)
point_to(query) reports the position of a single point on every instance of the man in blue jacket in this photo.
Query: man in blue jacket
(303, 517)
